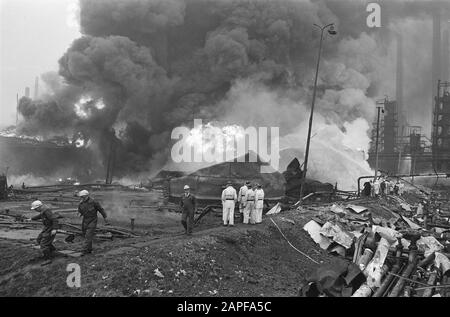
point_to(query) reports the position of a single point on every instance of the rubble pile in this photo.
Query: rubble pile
(390, 246)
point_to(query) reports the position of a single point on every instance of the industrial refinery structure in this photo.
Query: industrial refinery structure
(400, 148)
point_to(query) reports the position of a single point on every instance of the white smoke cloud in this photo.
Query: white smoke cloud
(73, 15)
(335, 155)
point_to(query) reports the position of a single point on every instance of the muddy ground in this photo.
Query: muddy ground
(247, 260)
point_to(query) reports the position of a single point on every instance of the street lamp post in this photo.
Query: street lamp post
(363, 153)
(331, 31)
(376, 143)
(379, 108)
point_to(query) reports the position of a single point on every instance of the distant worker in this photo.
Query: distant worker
(47, 236)
(367, 189)
(242, 200)
(396, 187)
(391, 187)
(250, 205)
(259, 203)
(376, 187)
(419, 212)
(188, 205)
(88, 208)
(383, 187)
(229, 198)
(401, 188)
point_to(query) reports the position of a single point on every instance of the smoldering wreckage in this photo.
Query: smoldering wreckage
(142, 68)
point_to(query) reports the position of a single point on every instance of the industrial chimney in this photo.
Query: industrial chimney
(36, 88)
(436, 65)
(399, 82)
(445, 56)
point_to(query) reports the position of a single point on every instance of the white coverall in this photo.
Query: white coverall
(229, 197)
(401, 188)
(250, 205)
(259, 204)
(376, 187)
(242, 200)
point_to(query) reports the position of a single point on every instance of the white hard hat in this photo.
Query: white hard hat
(36, 204)
(186, 187)
(83, 193)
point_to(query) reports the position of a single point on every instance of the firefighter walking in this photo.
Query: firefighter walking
(188, 205)
(47, 236)
(88, 209)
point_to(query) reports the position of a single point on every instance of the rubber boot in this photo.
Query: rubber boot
(47, 258)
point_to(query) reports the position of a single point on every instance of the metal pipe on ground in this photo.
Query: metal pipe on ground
(104, 236)
(358, 248)
(426, 261)
(402, 176)
(387, 282)
(365, 258)
(368, 287)
(363, 291)
(406, 273)
(115, 231)
(437, 225)
(431, 281)
(409, 288)
(445, 292)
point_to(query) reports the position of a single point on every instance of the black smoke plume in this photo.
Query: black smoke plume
(158, 64)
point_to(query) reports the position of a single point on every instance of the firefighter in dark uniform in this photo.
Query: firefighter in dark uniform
(187, 204)
(88, 208)
(47, 236)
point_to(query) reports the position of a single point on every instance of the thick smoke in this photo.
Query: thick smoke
(157, 64)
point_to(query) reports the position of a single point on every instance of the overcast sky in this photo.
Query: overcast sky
(34, 34)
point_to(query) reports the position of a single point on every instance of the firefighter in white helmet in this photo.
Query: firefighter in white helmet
(259, 203)
(229, 198)
(47, 236)
(242, 199)
(249, 211)
(88, 209)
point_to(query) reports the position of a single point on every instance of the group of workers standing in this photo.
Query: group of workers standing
(382, 187)
(87, 208)
(251, 203)
(250, 199)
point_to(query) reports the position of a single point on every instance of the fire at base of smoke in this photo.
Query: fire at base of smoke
(211, 144)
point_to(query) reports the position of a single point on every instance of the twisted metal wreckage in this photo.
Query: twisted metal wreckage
(390, 246)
